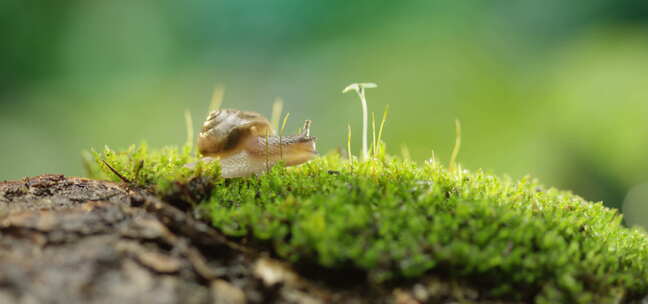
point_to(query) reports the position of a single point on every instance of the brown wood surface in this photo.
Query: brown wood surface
(76, 240)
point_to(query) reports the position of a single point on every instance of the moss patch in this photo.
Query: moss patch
(397, 221)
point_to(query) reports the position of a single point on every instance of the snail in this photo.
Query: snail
(246, 144)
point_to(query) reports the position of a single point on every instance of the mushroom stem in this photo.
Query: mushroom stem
(359, 88)
(365, 154)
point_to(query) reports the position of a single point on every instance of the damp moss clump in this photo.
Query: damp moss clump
(398, 221)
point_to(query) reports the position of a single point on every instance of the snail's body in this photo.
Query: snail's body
(246, 144)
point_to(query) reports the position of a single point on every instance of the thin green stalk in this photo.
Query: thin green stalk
(373, 140)
(349, 154)
(281, 133)
(457, 146)
(382, 123)
(189, 127)
(277, 108)
(217, 98)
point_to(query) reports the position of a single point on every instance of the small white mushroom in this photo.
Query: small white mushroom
(359, 88)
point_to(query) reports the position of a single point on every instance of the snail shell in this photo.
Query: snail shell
(246, 143)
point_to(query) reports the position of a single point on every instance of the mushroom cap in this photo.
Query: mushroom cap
(225, 131)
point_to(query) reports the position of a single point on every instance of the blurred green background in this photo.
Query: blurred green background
(555, 89)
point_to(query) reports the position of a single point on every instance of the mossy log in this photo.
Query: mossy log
(76, 240)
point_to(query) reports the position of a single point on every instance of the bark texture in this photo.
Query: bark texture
(75, 240)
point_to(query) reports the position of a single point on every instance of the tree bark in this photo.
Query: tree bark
(76, 240)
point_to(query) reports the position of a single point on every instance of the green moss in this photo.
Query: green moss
(397, 220)
(162, 171)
